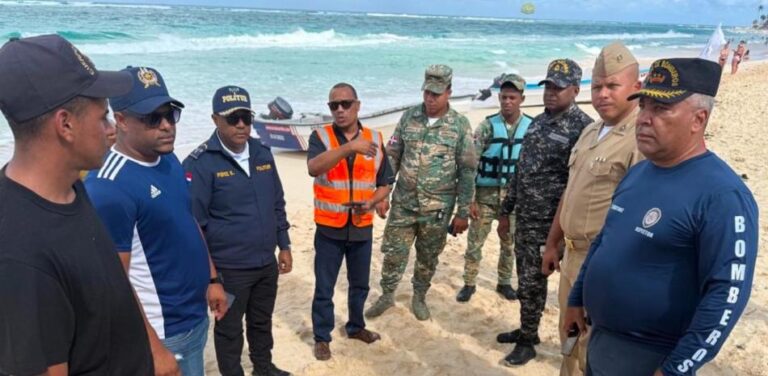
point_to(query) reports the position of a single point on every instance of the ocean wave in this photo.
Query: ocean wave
(671, 34)
(494, 19)
(588, 49)
(73, 36)
(404, 15)
(297, 39)
(256, 10)
(498, 52)
(32, 3)
(46, 3)
(109, 5)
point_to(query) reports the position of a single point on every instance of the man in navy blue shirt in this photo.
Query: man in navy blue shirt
(142, 197)
(666, 280)
(237, 198)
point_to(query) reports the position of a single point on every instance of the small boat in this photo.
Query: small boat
(276, 130)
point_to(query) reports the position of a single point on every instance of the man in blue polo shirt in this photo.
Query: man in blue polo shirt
(237, 198)
(667, 278)
(141, 195)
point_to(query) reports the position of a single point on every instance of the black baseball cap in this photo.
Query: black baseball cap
(147, 93)
(673, 80)
(39, 74)
(229, 99)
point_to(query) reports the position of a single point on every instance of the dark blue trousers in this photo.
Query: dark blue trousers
(255, 291)
(609, 354)
(328, 256)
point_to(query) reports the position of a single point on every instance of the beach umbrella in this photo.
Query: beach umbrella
(528, 8)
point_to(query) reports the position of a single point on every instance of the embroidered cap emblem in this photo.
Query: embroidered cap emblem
(148, 77)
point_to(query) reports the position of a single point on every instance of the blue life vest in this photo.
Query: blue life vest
(497, 164)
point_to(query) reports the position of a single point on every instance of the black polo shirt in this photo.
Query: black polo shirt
(384, 176)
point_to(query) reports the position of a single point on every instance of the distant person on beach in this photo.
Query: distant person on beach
(68, 308)
(352, 179)
(498, 140)
(237, 199)
(433, 154)
(738, 56)
(533, 196)
(724, 52)
(142, 196)
(670, 273)
(603, 154)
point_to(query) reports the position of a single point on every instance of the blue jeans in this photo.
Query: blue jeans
(329, 254)
(188, 348)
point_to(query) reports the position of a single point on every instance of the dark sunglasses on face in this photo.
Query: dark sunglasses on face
(345, 104)
(155, 119)
(234, 119)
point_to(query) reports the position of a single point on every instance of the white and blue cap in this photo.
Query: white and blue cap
(147, 94)
(229, 99)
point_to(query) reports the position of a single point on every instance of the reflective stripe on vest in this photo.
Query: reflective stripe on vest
(497, 164)
(336, 187)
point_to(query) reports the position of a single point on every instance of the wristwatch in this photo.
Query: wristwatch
(216, 279)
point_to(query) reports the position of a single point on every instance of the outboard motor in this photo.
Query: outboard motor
(279, 109)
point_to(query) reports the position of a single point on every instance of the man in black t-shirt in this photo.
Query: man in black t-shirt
(67, 307)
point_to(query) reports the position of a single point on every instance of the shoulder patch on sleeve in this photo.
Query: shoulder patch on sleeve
(199, 151)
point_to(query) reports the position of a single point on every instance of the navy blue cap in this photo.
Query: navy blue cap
(39, 74)
(229, 99)
(673, 80)
(147, 94)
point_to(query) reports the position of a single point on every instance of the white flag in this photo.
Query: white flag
(712, 50)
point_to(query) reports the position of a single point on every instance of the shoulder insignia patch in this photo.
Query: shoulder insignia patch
(200, 150)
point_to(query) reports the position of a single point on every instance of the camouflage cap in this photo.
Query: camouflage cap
(563, 73)
(613, 59)
(516, 81)
(437, 78)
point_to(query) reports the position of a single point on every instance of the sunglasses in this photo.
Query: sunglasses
(234, 118)
(155, 119)
(345, 104)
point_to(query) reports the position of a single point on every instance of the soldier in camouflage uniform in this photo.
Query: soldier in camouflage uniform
(534, 193)
(496, 142)
(433, 155)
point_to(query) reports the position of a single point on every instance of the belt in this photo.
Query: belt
(577, 244)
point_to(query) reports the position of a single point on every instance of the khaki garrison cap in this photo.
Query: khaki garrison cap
(613, 59)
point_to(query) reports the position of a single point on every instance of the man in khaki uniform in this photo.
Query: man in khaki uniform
(604, 152)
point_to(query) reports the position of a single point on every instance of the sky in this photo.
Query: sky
(703, 12)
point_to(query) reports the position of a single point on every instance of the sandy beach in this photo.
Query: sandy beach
(459, 339)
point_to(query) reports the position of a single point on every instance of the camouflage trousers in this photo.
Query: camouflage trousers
(404, 228)
(532, 285)
(478, 233)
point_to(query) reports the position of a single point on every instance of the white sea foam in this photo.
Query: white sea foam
(671, 34)
(501, 64)
(499, 52)
(588, 49)
(404, 15)
(296, 39)
(107, 5)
